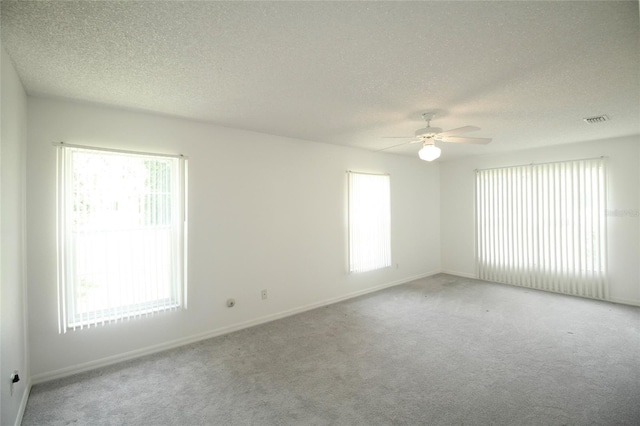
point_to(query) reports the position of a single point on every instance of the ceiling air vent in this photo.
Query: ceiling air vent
(596, 119)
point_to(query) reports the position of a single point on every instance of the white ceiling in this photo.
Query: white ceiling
(346, 73)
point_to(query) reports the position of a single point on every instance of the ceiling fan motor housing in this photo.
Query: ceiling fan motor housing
(428, 132)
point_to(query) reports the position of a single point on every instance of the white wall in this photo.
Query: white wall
(265, 212)
(457, 207)
(13, 351)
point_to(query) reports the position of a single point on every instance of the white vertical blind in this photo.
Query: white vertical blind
(369, 222)
(544, 226)
(121, 235)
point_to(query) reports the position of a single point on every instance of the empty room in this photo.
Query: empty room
(320, 213)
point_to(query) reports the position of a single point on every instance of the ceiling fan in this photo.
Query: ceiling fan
(429, 135)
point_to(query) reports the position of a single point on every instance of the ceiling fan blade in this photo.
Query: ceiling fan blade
(398, 137)
(459, 130)
(455, 139)
(400, 144)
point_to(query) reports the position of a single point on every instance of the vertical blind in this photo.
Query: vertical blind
(121, 235)
(544, 226)
(369, 222)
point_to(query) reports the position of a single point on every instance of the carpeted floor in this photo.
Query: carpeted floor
(442, 350)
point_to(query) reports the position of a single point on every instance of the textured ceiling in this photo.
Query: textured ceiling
(345, 73)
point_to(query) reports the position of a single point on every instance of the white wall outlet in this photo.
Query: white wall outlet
(264, 294)
(231, 303)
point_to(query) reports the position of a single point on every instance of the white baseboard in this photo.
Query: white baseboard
(114, 359)
(624, 301)
(23, 403)
(618, 300)
(460, 274)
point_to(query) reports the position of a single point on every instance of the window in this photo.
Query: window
(121, 235)
(369, 222)
(543, 226)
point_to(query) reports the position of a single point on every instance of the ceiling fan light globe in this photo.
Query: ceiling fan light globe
(429, 153)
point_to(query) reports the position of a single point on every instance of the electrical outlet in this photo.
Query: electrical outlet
(264, 294)
(15, 378)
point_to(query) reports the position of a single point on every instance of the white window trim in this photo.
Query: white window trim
(549, 229)
(179, 300)
(382, 258)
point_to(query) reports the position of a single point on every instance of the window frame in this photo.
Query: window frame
(355, 258)
(544, 226)
(68, 316)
